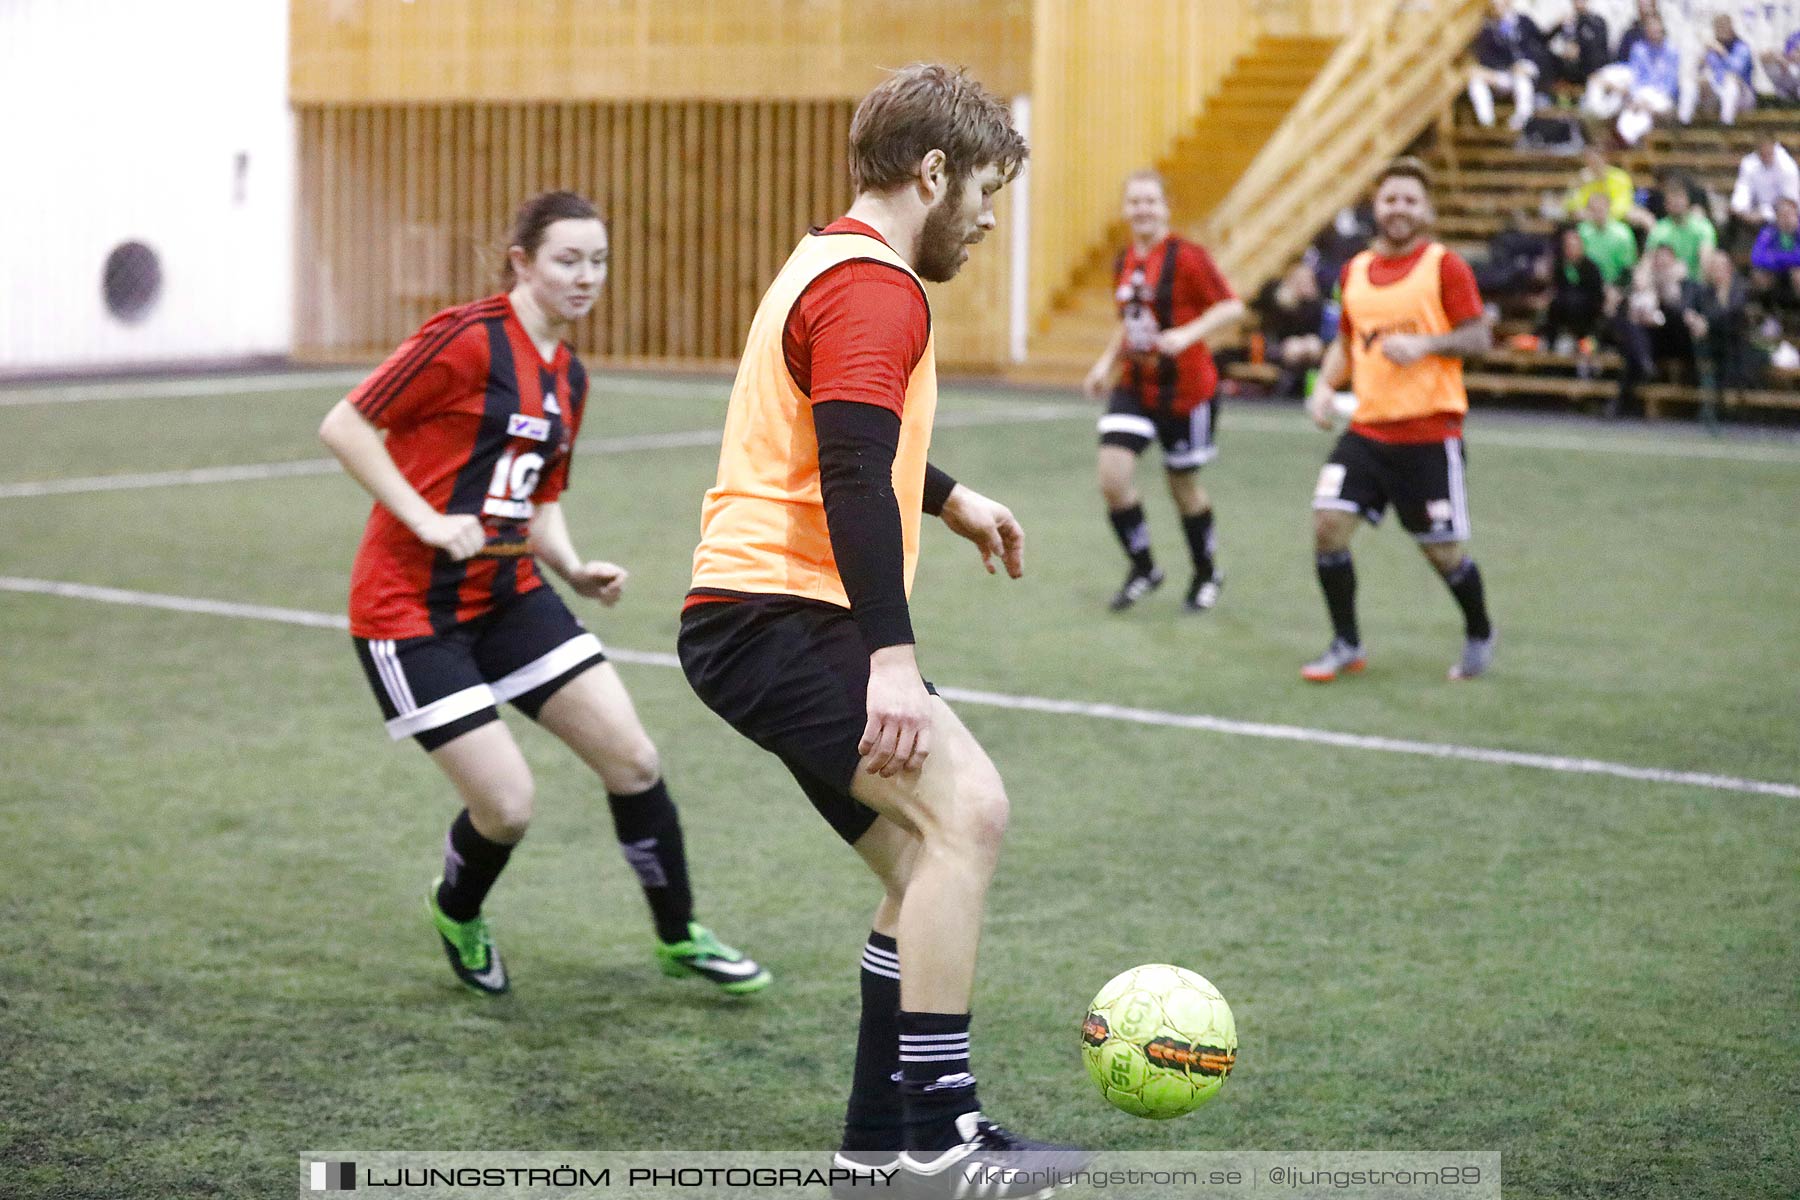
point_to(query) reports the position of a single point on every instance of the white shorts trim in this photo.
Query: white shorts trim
(1142, 427)
(1349, 506)
(542, 670)
(1459, 491)
(453, 707)
(1201, 449)
(393, 678)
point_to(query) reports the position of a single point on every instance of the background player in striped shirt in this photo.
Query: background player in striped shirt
(1171, 298)
(1411, 313)
(450, 617)
(798, 632)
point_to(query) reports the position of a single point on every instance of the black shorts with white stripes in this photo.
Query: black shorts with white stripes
(1186, 440)
(1424, 481)
(434, 689)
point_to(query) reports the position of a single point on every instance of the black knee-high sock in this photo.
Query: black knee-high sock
(649, 831)
(1201, 543)
(936, 1086)
(1134, 534)
(1337, 576)
(1465, 584)
(872, 1120)
(471, 864)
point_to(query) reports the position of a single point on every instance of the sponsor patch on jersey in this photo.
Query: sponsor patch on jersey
(535, 428)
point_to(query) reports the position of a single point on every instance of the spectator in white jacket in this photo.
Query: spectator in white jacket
(1766, 174)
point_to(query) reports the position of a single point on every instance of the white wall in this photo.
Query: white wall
(122, 120)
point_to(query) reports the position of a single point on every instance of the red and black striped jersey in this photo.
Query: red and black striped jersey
(1168, 285)
(478, 423)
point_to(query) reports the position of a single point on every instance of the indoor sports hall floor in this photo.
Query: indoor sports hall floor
(1551, 912)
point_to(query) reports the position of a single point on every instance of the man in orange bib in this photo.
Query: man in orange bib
(797, 630)
(1411, 314)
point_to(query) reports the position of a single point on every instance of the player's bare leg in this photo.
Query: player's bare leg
(1196, 510)
(1332, 531)
(1463, 578)
(1125, 510)
(956, 808)
(593, 715)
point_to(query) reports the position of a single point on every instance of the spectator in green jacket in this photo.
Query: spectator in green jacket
(1686, 229)
(1608, 241)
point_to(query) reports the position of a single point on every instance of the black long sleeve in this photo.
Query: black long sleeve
(938, 486)
(857, 445)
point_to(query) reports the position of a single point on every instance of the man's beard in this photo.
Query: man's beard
(1412, 228)
(940, 241)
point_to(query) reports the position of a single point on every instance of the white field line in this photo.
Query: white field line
(1670, 446)
(1560, 764)
(250, 472)
(203, 386)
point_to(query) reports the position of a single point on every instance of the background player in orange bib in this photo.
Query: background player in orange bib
(1171, 299)
(1411, 313)
(450, 617)
(798, 629)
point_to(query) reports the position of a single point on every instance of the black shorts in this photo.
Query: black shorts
(792, 675)
(1423, 481)
(1187, 441)
(436, 688)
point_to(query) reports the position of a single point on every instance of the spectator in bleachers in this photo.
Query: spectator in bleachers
(1347, 236)
(1578, 46)
(1291, 313)
(1577, 296)
(1718, 321)
(1655, 81)
(1783, 68)
(1634, 33)
(1775, 259)
(1651, 326)
(1608, 241)
(1518, 262)
(1600, 178)
(1506, 53)
(1765, 175)
(1610, 87)
(1685, 228)
(1723, 80)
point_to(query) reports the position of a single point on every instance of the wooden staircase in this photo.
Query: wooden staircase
(1200, 168)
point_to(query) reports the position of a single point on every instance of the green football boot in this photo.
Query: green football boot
(706, 957)
(469, 947)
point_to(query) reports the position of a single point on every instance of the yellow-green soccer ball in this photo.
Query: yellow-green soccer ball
(1159, 1041)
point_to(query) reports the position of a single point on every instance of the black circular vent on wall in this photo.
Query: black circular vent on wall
(132, 281)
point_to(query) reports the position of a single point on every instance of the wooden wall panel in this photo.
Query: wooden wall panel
(1114, 84)
(386, 51)
(405, 209)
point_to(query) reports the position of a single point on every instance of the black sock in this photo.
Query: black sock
(1199, 530)
(1134, 534)
(649, 832)
(1337, 575)
(1465, 584)
(471, 864)
(936, 1086)
(872, 1121)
